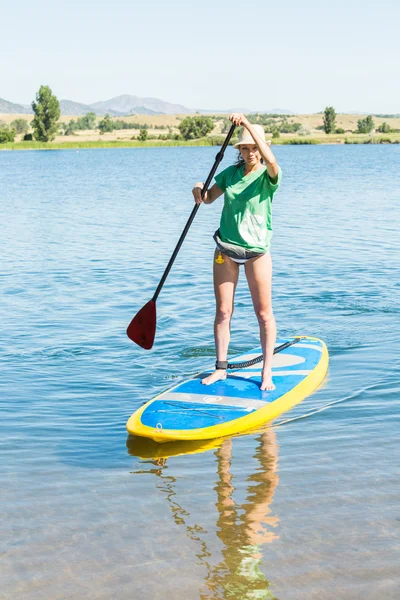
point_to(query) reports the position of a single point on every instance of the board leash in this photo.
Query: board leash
(258, 359)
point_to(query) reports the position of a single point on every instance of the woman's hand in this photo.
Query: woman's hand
(196, 191)
(239, 120)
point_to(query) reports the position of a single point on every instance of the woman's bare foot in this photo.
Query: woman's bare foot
(218, 375)
(266, 381)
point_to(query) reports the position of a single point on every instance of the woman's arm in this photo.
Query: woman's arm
(263, 147)
(212, 194)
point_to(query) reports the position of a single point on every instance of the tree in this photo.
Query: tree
(106, 125)
(226, 125)
(71, 127)
(87, 122)
(47, 113)
(384, 128)
(192, 128)
(20, 126)
(365, 125)
(329, 119)
(143, 135)
(6, 135)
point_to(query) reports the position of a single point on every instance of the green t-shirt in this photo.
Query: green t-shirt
(246, 218)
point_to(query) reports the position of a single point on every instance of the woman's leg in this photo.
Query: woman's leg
(259, 277)
(226, 276)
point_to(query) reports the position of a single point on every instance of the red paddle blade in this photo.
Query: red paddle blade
(142, 328)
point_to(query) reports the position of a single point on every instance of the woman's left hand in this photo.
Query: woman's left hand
(239, 119)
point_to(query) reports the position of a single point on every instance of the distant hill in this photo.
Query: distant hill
(141, 110)
(127, 104)
(9, 108)
(77, 109)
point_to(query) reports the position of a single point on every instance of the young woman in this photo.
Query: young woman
(244, 237)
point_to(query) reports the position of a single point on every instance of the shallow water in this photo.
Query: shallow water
(307, 508)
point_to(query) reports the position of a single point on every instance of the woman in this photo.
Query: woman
(244, 237)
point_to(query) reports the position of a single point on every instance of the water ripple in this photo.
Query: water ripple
(86, 514)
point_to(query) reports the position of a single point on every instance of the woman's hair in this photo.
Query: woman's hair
(239, 161)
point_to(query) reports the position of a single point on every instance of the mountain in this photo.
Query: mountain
(127, 104)
(9, 108)
(77, 109)
(141, 110)
(120, 106)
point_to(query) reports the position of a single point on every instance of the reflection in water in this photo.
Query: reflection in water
(242, 527)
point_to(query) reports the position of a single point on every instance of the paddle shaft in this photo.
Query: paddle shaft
(218, 159)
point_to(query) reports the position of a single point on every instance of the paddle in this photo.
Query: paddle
(142, 328)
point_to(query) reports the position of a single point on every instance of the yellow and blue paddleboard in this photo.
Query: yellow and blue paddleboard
(194, 411)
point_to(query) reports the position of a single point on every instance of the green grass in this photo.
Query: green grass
(101, 144)
(209, 141)
(366, 139)
(297, 141)
(135, 144)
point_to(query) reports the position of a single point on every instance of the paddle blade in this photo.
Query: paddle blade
(142, 328)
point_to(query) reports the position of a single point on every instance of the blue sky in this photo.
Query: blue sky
(208, 54)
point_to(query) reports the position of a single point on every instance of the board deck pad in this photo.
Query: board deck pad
(192, 406)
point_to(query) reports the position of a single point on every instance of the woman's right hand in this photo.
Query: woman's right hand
(196, 191)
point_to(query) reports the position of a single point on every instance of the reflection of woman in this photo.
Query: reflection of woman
(244, 237)
(242, 528)
(242, 533)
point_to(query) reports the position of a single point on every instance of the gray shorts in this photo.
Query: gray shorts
(239, 261)
(237, 253)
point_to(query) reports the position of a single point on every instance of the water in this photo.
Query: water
(305, 509)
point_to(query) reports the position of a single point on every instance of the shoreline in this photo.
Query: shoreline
(301, 129)
(292, 141)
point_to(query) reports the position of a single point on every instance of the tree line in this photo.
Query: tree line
(366, 125)
(46, 125)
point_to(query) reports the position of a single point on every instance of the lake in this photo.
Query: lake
(307, 507)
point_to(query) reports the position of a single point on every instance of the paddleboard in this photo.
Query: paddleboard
(194, 411)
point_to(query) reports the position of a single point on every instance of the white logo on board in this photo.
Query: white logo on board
(212, 398)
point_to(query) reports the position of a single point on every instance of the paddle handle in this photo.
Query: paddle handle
(218, 159)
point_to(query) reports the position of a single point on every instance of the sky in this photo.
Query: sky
(211, 54)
